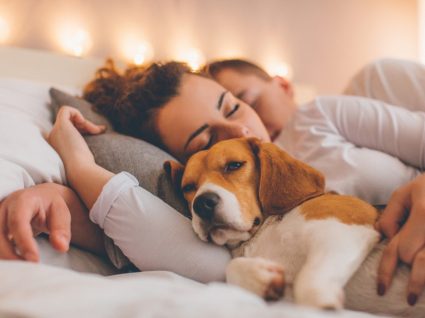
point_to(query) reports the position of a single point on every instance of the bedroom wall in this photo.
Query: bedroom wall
(323, 41)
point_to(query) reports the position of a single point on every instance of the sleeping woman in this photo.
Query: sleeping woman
(183, 112)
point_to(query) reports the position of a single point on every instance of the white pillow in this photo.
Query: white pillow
(25, 156)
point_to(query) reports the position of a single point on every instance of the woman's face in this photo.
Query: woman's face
(203, 114)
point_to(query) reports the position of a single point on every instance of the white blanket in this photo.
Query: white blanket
(30, 290)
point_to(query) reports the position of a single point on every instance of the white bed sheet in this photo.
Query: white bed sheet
(29, 290)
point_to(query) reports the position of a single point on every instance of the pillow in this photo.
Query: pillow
(116, 152)
(27, 159)
(25, 156)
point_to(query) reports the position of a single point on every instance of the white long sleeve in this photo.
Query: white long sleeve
(152, 234)
(376, 125)
(363, 146)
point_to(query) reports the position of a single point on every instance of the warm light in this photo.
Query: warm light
(421, 31)
(76, 42)
(193, 57)
(143, 53)
(4, 30)
(134, 49)
(279, 69)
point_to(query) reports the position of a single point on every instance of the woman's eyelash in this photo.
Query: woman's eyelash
(211, 140)
(233, 110)
(209, 144)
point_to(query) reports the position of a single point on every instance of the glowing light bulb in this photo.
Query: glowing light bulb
(76, 42)
(143, 53)
(4, 30)
(193, 57)
(279, 69)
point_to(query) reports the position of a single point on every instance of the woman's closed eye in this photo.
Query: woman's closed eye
(234, 109)
(209, 143)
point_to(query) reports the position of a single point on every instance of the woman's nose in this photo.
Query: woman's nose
(235, 130)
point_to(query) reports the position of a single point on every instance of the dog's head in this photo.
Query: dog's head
(234, 185)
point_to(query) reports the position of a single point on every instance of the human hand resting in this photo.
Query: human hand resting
(29, 212)
(66, 137)
(406, 240)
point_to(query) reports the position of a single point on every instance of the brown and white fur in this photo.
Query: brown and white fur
(285, 232)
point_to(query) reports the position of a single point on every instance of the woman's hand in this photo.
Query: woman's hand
(66, 138)
(407, 240)
(82, 172)
(28, 212)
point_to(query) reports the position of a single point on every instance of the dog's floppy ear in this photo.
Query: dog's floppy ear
(285, 182)
(174, 170)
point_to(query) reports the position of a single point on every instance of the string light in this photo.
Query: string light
(143, 53)
(193, 57)
(76, 42)
(4, 30)
(279, 69)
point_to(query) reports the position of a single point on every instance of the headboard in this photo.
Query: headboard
(60, 69)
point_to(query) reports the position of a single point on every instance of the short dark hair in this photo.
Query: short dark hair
(239, 65)
(131, 100)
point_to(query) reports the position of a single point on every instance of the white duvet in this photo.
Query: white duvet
(29, 290)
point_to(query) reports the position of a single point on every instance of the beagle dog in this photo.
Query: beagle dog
(284, 231)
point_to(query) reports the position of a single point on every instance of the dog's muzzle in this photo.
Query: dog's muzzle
(205, 205)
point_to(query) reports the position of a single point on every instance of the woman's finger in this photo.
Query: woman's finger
(412, 237)
(388, 265)
(7, 250)
(417, 278)
(396, 211)
(83, 125)
(59, 225)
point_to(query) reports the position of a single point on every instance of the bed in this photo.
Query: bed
(79, 284)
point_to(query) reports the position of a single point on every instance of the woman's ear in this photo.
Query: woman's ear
(286, 85)
(174, 170)
(285, 182)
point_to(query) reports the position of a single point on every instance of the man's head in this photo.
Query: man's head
(271, 97)
(172, 107)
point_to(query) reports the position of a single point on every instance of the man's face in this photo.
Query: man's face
(272, 100)
(201, 115)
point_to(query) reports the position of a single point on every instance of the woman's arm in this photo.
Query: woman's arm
(149, 232)
(83, 174)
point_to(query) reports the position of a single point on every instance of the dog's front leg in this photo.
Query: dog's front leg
(258, 275)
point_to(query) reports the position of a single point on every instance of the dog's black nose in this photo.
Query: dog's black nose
(204, 205)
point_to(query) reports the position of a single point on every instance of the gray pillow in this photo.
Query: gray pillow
(116, 152)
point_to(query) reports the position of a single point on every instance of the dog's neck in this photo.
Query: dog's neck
(238, 249)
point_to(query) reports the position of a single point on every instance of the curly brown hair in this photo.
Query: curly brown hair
(131, 99)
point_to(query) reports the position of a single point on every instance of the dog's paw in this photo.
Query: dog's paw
(327, 297)
(258, 275)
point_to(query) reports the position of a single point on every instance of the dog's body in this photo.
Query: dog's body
(284, 231)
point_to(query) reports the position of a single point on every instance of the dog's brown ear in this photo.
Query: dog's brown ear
(285, 182)
(174, 170)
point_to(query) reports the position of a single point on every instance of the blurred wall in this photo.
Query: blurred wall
(323, 41)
